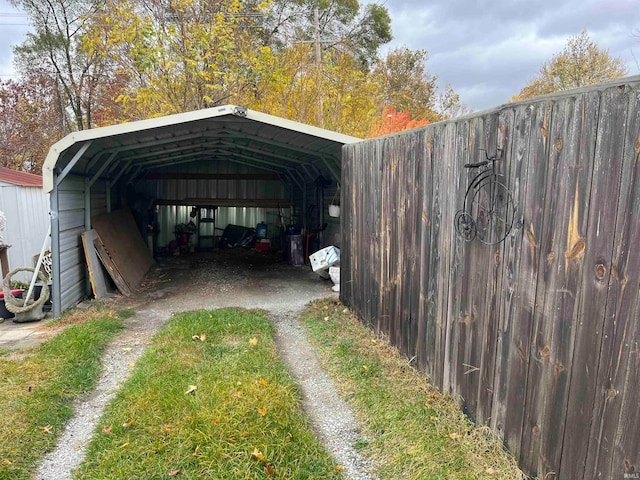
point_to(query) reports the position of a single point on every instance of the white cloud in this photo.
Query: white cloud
(489, 50)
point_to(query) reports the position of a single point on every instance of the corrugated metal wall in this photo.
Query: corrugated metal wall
(68, 204)
(27, 213)
(169, 216)
(181, 189)
(223, 180)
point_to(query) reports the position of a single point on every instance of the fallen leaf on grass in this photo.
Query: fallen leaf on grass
(166, 428)
(191, 389)
(454, 435)
(6, 461)
(253, 341)
(365, 367)
(236, 395)
(107, 430)
(262, 411)
(173, 473)
(216, 421)
(196, 451)
(339, 468)
(46, 429)
(270, 469)
(132, 364)
(258, 454)
(263, 382)
(129, 423)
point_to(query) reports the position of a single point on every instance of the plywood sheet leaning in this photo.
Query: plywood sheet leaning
(107, 261)
(122, 240)
(97, 276)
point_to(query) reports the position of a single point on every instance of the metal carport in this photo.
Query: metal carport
(225, 155)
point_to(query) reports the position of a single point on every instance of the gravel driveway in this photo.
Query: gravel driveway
(223, 278)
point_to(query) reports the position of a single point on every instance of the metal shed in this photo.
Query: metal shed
(26, 208)
(227, 157)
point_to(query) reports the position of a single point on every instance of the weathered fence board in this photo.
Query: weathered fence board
(617, 333)
(513, 341)
(540, 334)
(605, 188)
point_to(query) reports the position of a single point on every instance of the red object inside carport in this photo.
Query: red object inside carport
(13, 292)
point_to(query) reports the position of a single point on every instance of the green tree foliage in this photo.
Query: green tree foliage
(580, 63)
(343, 25)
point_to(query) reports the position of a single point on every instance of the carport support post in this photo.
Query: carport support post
(56, 296)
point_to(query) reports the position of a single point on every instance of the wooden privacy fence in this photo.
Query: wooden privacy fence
(539, 334)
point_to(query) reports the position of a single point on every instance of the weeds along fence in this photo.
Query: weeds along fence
(539, 334)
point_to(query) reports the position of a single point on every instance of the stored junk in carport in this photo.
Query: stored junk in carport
(246, 163)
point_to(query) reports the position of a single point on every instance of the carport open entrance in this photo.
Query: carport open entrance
(253, 168)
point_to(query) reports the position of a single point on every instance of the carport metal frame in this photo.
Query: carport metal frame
(297, 152)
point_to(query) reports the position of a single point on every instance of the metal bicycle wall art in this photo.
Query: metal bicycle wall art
(488, 211)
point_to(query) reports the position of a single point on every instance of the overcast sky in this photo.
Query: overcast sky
(487, 50)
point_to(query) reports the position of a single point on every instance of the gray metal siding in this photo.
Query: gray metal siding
(27, 213)
(98, 199)
(170, 216)
(179, 189)
(73, 285)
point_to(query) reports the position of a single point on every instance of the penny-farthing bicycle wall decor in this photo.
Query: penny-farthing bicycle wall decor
(488, 210)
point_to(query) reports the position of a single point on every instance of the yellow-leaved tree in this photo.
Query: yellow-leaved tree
(341, 89)
(580, 63)
(180, 55)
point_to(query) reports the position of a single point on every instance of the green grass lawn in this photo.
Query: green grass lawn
(409, 428)
(38, 386)
(209, 399)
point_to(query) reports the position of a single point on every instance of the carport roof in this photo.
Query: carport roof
(227, 132)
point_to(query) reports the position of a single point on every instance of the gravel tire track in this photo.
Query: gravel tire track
(223, 279)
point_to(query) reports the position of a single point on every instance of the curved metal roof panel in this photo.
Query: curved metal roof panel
(226, 132)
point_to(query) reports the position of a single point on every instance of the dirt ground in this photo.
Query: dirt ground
(221, 278)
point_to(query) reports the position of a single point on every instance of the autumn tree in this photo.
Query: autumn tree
(180, 55)
(55, 48)
(580, 63)
(393, 121)
(343, 25)
(29, 122)
(292, 89)
(406, 86)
